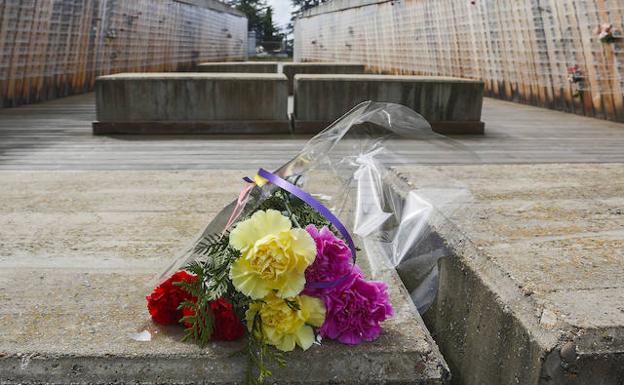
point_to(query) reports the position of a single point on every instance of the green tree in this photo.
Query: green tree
(303, 5)
(260, 18)
(270, 32)
(299, 6)
(254, 10)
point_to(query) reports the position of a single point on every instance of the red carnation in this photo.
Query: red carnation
(164, 301)
(227, 325)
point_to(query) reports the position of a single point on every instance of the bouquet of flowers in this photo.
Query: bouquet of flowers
(278, 267)
(575, 78)
(606, 33)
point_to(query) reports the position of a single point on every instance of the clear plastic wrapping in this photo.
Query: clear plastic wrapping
(348, 168)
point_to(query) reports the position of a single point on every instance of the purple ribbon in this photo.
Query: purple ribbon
(318, 206)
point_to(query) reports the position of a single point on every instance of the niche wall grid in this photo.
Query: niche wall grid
(52, 48)
(541, 52)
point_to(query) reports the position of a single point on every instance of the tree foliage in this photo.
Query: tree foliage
(270, 32)
(303, 5)
(260, 18)
(299, 6)
(253, 9)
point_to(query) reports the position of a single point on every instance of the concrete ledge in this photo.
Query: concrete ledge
(341, 368)
(190, 101)
(533, 287)
(176, 128)
(453, 106)
(71, 296)
(242, 67)
(458, 128)
(444, 128)
(293, 69)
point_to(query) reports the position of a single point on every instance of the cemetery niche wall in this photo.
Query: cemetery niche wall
(53, 48)
(562, 54)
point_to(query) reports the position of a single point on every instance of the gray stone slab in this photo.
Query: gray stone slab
(76, 254)
(242, 67)
(533, 292)
(292, 69)
(452, 105)
(196, 102)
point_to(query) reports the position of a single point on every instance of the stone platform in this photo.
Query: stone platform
(533, 292)
(77, 252)
(191, 103)
(452, 105)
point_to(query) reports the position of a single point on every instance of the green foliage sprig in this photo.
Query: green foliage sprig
(260, 355)
(217, 257)
(212, 283)
(202, 321)
(299, 212)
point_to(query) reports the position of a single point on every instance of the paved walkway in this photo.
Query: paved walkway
(535, 291)
(57, 135)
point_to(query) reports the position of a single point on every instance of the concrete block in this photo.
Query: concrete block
(293, 69)
(72, 297)
(532, 291)
(451, 105)
(240, 67)
(181, 103)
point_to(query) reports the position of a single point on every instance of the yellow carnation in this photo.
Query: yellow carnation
(286, 322)
(274, 256)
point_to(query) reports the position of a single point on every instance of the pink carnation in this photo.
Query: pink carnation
(355, 307)
(332, 264)
(354, 313)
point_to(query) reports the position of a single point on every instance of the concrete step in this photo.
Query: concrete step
(533, 292)
(77, 252)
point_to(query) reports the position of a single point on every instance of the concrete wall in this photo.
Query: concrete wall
(452, 106)
(292, 69)
(55, 48)
(521, 49)
(252, 67)
(183, 102)
(514, 306)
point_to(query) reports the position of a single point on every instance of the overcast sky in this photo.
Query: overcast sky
(282, 9)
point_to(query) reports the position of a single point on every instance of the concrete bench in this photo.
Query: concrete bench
(191, 103)
(241, 67)
(292, 69)
(451, 105)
